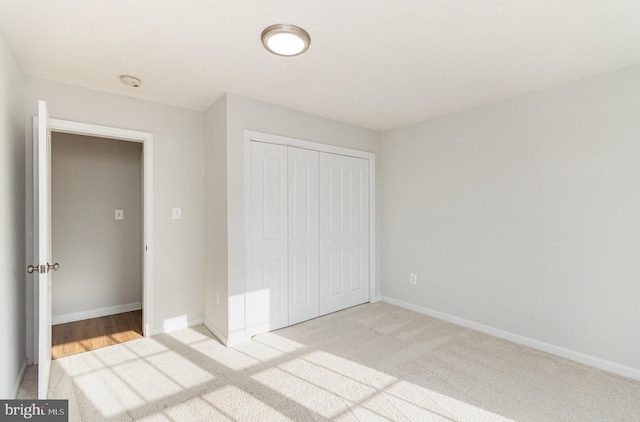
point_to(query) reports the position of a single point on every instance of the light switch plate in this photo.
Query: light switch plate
(119, 214)
(176, 213)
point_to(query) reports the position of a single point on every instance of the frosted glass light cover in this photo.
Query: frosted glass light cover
(285, 44)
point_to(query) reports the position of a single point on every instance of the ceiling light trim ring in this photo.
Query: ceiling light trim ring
(283, 28)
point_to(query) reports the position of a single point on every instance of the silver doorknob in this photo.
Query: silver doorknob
(32, 269)
(54, 267)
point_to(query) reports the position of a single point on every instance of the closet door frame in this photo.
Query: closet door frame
(315, 146)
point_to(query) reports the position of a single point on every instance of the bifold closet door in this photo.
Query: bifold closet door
(344, 232)
(303, 235)
(267, 295)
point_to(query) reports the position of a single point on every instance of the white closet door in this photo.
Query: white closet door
(344, 232)
(267, 296)
(303, 235)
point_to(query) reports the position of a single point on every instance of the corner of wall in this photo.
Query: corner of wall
(216, 233)
(19, 378)
(216, 332)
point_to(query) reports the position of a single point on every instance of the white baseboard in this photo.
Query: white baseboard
(95, 313)
(376, 299)
(19, 378)
(170, 326)
(232, 340)
(223, 339)
(615, 368)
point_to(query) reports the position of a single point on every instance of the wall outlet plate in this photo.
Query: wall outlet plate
(119, 214)
(413, 279)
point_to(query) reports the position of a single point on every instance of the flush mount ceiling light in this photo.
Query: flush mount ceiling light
(285, 40)
(130, 80)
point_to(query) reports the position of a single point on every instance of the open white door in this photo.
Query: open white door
(42, 226)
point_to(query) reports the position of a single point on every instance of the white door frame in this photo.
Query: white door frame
(146, 139)
(250, 135)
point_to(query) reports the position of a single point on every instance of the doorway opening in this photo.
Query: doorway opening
(97, 220)
(145, 139)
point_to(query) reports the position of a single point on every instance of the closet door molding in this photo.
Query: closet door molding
(253, 136)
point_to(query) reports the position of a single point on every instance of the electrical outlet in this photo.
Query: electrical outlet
(176, 213)
(218, 298)
(413, 279)
(119, 214)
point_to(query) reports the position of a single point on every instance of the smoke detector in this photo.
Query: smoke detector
(130, 81)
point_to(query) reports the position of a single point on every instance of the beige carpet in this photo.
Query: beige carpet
(371, 362)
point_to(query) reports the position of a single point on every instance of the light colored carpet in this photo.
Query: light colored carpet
(371, 362)
(29, 385)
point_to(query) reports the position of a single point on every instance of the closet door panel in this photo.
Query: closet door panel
(303, 235)
(267, 290)
(355, 271)
(336, 200)
(335, 282)
(357, 230)
(344, 232)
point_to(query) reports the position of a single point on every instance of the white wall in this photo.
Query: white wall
(178, 147)
(91, 178)
(13, 277)
(247, 114)
(523, 215)
(216, 309)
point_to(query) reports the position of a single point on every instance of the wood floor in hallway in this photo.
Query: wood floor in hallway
(90, 334)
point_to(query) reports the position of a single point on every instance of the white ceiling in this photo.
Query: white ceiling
(377, 64)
